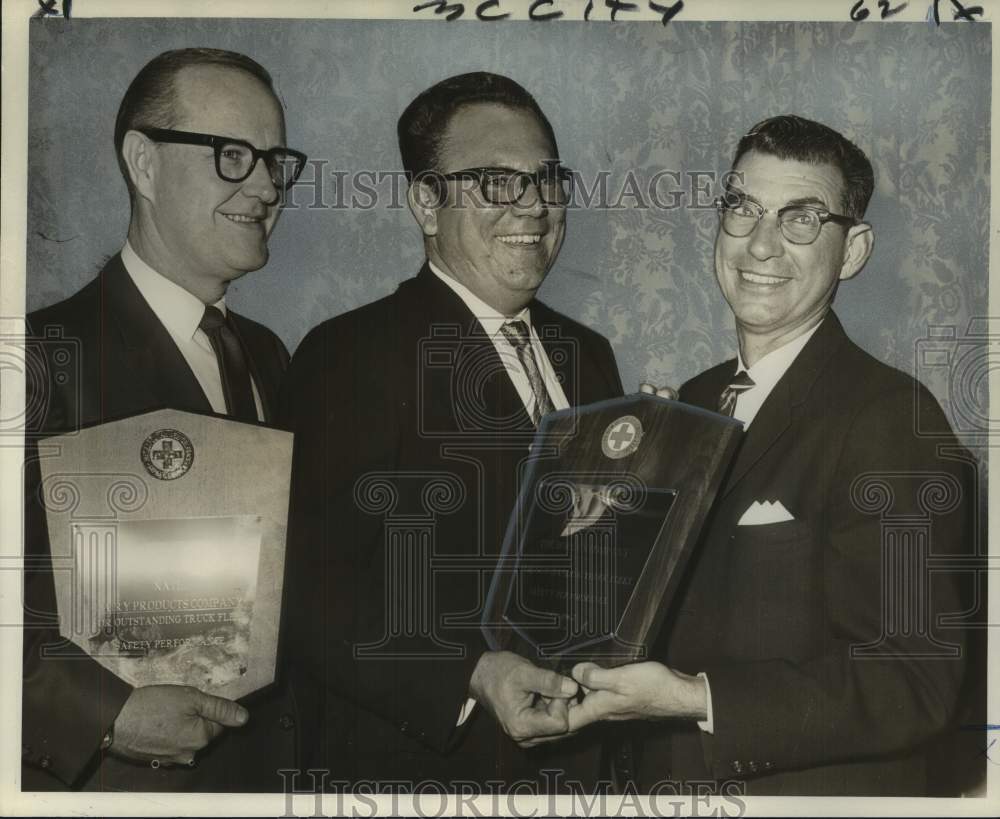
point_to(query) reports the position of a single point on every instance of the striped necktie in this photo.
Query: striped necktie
(516, 332)
(727, 401)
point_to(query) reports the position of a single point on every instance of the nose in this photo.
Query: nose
(765, 240)
(260, 185)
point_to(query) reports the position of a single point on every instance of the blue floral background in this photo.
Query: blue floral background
(623, 98)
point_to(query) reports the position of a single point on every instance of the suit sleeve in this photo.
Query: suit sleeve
(844, 703)
(69, 701)
(350, 419)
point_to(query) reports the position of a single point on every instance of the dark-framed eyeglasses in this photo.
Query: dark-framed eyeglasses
(507, 186)
(799, 224)
(235, 159)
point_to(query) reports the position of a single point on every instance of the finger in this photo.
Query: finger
(667, 392)
(220, 710)
(583, 673)
(558, 708)
(649, 389)
(212, 731)
(548, 683)
(588, 711)
(533, 723)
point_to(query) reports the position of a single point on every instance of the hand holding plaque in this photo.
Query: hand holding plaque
(647, 691)
(171, 723)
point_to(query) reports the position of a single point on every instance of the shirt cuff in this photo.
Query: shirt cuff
(708, 724)
(467, 707)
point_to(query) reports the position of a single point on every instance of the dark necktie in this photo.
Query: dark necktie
(516, 332)
(236, 386)
(727, 401)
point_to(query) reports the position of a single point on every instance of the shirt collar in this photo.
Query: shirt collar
(491, 319)
(179, 311)
(768, 371)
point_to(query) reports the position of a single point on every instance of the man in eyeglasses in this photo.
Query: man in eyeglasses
(200, 138)
(805, 655)
(412, 416)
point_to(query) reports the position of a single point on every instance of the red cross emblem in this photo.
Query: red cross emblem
(167, 454)
(622, 437)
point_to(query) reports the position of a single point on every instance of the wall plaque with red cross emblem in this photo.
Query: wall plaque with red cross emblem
(611, 505)
(167, 534)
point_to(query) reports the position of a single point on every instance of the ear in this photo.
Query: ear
(137, 151)
(860, 242)
(423, 202)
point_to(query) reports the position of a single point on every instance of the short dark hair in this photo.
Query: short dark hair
(150, 101)
(792, 137)
(422, 126)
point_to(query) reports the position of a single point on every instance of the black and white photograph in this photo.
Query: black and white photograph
(346, 346)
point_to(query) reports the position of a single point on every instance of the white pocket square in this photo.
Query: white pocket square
(759, 513)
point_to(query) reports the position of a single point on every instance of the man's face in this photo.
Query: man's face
(778, 289)
(209, 231)
(500, 252)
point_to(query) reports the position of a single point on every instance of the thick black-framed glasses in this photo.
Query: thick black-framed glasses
(799, 224)
(235, 159)
(506, 186)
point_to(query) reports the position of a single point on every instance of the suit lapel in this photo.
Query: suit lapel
(770, 424)
(154, 364)
(554, 340)
(445, 308)
(259, 359)
(775, 416)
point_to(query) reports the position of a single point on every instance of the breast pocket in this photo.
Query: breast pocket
(774, 574)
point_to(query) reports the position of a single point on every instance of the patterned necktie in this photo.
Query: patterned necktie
(236, 386)
(516, 332)
(727, 401)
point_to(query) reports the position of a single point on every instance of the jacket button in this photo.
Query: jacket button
(45, 761)
(752, 766)
(286, 722)
(404, 727)
(768, 766)
(737, 766)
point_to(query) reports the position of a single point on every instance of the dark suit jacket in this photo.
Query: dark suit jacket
(771, 612)
(409, 438)
(128, 365)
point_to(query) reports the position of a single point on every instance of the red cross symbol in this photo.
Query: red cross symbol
(621, 435)
(166, 454)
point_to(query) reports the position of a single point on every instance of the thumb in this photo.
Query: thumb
(220, 710)
(552, 684)
(591, 675)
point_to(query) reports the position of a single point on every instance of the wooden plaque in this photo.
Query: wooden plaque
(612, 502)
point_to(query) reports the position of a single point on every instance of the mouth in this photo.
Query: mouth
(244, 219)
(750, 277)
(521, 239)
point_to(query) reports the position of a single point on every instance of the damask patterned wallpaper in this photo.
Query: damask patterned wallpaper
(627, 100)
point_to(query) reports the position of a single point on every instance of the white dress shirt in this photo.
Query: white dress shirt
(765, 375)
(180, 312)
(492, 321)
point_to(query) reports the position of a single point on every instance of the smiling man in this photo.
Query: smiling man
(412, 416)
(200, 139)
(806, 654)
